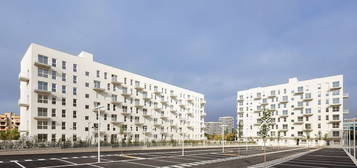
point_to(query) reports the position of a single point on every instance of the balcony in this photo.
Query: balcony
(182, 105)
(116, 101)
(284, 115)
(173, 95)
(190, 113)
(346, 95)
(283, 130)
(271, 96)
(157, 92)
(307, 99)
(147, 132)
(334, 121)
(299, 107)
(138, 122)
(203, 102)
(264, 103)
(164, 101)
(307, 114)
(256, 111)
(125, 113)
(257, 97)
(42, 118)
(138, 87)
(40, 91)
(346, 111)
(298, 122)
(157, 108)
(156, 124)
(146, 114)
(146, 97)
(98, 89)
(298, 92)
(283, 101)
(23, 78)
(138, 104)
(163, 117)
(125, 93)
(42, 65)
(189, 99)
(335, 104)
(335, 87)
(116, 122)
(203, 114)
(307, 130)
(190, 127)
(23, 103)
(96, 110)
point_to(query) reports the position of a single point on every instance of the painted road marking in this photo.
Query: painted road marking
(20, 164)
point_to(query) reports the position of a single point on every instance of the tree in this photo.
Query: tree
(265, 123)
(10, 134)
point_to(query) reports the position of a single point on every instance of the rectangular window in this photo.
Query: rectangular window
(41, 137)
(74, 67)
(74, 126)
(54, 62)
(335, 125)
(42, 59)
(63, 125)
(53, 100)
(98, 74)
(42, 99)
(74, 79)
(63, 89)
(53, 125)
(64, 77)
(335, 133)
(105, 75)
(42, 124)
(336, 117)
(53, 87)
(63, 64)
(87, 73)
(63, 113)
(335, 109)
(42, 72)
(53, 138)
(74, 102)
(53, 75)
(74, 91)
(53, 113)
(41, 112)
(42, 86)
(74, 114)
(63, 101)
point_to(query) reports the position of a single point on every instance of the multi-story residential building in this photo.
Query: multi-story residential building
(9, 120)
(228, 122)
(309, 111)
(213, 128)
(59, 93)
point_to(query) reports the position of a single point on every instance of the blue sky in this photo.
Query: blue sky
(213, 47)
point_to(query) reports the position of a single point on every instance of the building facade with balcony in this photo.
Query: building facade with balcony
(9, 120)
(228, 123)
(59, 93)
(309, 112)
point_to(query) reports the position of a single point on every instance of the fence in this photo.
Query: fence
(349, 137)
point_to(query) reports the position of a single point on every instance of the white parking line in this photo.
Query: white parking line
(142, 164)
(66, 161)
(20, 164)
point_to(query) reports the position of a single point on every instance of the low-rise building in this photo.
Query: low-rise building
(213, 128)
(228, 122)
(9, 120)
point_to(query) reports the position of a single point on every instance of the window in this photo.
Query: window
(41, 137)
(63, 138)
(64, 77)
(63, 101)
(63, 89)
(86, 107)
(327, 118)
(53, 125)
(74, 79)
(42, 85)
(74, 67)
(42, 72)
(96, 84)
(98, 74)
(53, 100)
(336, 117)
(336, 92)
(41, 112)
(74, 138)
(53, 113)
(336, 84)
(335, 133)
(336, 100)
(87, 73)
(74, 91)
(335, 109)
(74, 114)
(53, 138)
(54, 62)
(42, 99)
(74, 126)
(42, 59)
(87, 96)
(87, 84)
(53, 75)
(63, 64)
(105, 75)
(74, 102)
(335, 125)
(53, 87)
(63, 113)
(63, 125)
(42, 124)
(86, 117)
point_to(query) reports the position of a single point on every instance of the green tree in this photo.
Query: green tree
(265, 124)
(10, 134)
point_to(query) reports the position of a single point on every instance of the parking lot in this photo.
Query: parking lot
(204, 157)
(336, 158)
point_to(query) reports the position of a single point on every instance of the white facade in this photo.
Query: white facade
(59, 92)
(309, 111)
(228, 122)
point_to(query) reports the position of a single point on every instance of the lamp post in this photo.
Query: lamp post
(223, 137)
(98, 129)
(183, 143)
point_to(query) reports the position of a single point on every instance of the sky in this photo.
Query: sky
(212, 47)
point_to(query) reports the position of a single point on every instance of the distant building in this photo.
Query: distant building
(9, 120)
(212, 128)
(228, 121)
(348, 124)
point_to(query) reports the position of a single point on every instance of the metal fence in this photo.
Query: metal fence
(349, 137)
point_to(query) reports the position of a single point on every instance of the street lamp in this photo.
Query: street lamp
(98, 129)
(223, 137)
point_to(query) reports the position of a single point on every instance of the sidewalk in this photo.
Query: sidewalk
(105, 149)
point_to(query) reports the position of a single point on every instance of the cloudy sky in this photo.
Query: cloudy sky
(213, 47)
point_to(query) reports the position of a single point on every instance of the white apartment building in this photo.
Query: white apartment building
(213, 128)
(59, 93)
(306, 112)
(228, 123)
